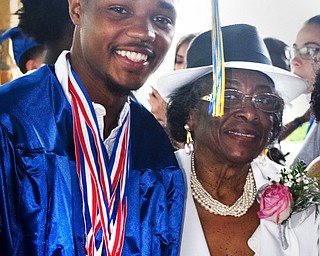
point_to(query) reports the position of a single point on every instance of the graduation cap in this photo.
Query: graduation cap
(21, 44)
(243, 49)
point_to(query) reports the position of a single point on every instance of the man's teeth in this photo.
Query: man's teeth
(242, 134)
(133, 56)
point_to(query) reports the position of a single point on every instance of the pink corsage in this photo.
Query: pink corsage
(275, 203)
(292, 192)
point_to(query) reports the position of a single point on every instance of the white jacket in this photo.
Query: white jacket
(302, 231)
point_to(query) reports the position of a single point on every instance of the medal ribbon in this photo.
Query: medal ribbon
(102, 184)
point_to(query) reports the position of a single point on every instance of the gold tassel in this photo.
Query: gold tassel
(189, 141)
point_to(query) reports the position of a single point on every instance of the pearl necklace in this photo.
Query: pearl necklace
(239, 208)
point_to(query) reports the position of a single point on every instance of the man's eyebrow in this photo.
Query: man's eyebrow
(168, 6)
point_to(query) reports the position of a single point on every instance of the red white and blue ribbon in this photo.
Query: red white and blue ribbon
(216, 107)
(102, 181)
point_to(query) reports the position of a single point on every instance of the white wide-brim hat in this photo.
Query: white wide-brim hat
(243, 49)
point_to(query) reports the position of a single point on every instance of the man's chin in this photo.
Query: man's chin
(120, 89)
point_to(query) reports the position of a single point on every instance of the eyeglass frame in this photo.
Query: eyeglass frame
(291, 52)
(209, 96)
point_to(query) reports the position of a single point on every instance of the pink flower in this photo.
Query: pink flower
(275, 203)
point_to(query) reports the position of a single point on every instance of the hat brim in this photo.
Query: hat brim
(288, 85)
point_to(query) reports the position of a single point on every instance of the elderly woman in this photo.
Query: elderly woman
(223, 168)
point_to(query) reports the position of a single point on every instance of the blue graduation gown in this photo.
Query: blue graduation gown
(40, 198)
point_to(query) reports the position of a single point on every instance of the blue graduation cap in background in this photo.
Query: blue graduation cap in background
(20, 43)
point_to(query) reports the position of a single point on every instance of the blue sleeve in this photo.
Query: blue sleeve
(7, 201)
(155, 204)
(40, 213)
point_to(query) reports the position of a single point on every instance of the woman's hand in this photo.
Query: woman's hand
(158, 107)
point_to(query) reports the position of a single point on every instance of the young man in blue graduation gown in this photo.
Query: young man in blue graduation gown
(85, 169)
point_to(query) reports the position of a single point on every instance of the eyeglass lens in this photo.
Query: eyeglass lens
(305, 52)
(266, 102)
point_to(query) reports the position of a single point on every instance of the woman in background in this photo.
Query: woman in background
(158, 105)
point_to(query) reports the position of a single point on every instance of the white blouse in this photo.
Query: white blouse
(302, 231)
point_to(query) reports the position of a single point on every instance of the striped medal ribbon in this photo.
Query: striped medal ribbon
(103, 185)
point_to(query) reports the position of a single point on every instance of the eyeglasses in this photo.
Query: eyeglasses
(266, 102)
(305, 52)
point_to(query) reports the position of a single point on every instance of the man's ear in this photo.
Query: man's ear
(31, 65)
(75, 10)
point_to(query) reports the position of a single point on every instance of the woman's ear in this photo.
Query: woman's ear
(75, 7)
(190, 121)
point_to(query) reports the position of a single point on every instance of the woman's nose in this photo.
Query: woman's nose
(296, 60)
(248, 111)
